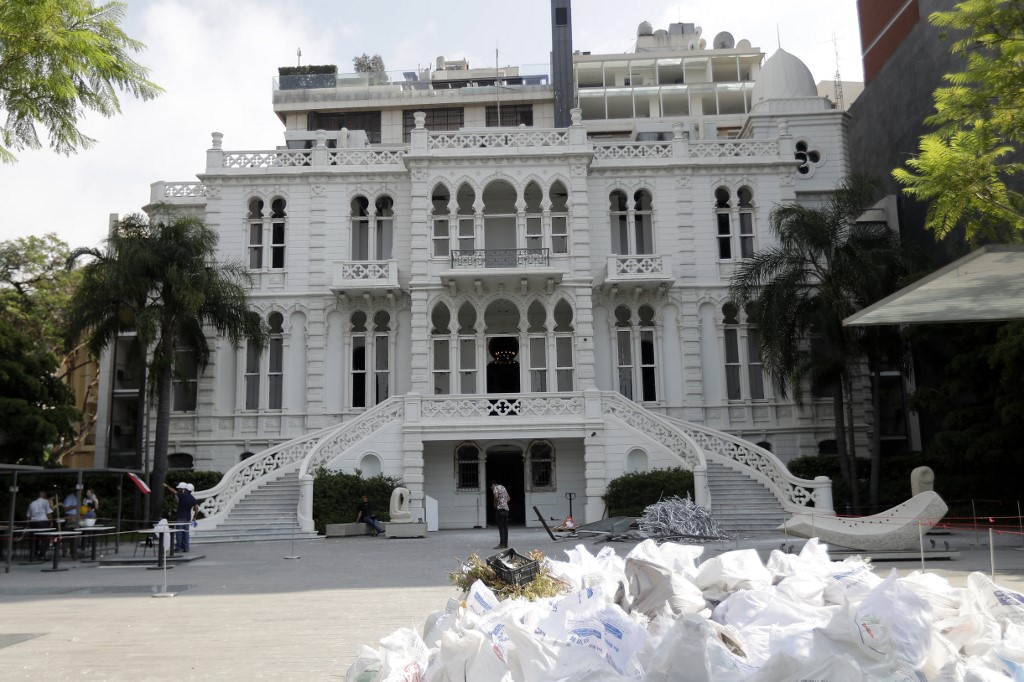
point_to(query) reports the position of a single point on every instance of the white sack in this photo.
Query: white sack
(655, 590)
(1004, 606)
(736, 570)
(405, 656)
(366, 667)
(849, 580)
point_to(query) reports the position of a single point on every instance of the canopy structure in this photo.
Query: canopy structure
(985, 285)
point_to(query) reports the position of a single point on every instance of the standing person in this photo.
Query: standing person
(364, 513)
(90, 504)
(70, 505)
(40, 517)
(183, 515)
(500, 513)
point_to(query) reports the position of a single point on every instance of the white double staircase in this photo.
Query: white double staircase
(268, 496)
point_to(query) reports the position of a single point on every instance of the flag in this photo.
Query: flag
(140, 484)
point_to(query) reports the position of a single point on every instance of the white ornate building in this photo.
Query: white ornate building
(452, 300)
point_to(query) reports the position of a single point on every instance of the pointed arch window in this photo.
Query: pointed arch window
(270, 365)
(372, 235)
(278, 225)
(636, 353)
(735, 222)
(441, 222)
(744, 372)
(255, 225)
(370, 358)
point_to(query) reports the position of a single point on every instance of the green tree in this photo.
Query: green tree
(59, 59)
(824, 267)
(35, 287)
(161, 281)
(371, 65)
(36, 408)
(968, 168)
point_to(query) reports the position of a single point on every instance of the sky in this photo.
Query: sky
(216, 60)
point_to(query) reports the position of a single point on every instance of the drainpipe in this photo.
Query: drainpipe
(305, 510)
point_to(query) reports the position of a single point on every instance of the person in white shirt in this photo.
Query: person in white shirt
(40, 515)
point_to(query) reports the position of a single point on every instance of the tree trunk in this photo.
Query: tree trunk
(876, 440)
(838, 417)
(140, 507)
(163, 427)
(851, 451)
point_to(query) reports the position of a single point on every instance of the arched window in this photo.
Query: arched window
(465, 199)
(636, 352)
(278, 223)
(559, 218)
(439, 200)
(632, 223)
(619, 215)
(384, 233)
(467, 466)
(369, 466)
(360, 228)
(735, 222)
(440, 319)
(541, 459)
(274, 369)
(742, 350)
(500, 238)
(255, 222)
(636, 461)
(370, 355)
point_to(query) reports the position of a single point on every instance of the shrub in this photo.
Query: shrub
(337, 494)
(630, 494)
(307, 70)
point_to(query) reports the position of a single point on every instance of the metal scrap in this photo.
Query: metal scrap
(674, 517)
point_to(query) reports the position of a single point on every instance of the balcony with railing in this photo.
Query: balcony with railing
(364, 276)
(645, 271)
(509, 267)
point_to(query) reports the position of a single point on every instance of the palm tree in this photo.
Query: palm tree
(824, 267)
(161, 281)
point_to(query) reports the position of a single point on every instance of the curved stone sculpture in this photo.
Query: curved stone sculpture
(895, 529)
(400, 506)
(921, 479)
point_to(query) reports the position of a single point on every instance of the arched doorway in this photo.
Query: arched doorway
(504, 464)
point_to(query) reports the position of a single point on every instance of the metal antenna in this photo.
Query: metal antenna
(838, 81)
(298, 57)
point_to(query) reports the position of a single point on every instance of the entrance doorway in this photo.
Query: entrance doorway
(504, 464)
(503, 364)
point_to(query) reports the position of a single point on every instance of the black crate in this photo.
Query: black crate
(525, 571)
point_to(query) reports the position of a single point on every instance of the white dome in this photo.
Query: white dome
(784, 76)
(645, 29)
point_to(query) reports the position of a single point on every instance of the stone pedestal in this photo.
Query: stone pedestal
(405, 530)
(342, 530)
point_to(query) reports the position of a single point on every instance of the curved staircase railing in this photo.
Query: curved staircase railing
(654, 426)
(218, 500)
(794, 493)
(351, 432)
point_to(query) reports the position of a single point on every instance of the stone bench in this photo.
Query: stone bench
(342, 530)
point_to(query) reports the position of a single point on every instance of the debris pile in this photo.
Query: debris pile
(674, 517)
(659, 615)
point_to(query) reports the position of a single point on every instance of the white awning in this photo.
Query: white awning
(985, 285)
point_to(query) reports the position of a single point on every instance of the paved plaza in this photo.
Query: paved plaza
(244, 611)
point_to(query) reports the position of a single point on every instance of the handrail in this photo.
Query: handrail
(654, 426)
(795, 493)
(219, 498)
(351, 432)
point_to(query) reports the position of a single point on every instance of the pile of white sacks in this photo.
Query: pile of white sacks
(659, 615)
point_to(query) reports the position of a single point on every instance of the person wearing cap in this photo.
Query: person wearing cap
(187, 506)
